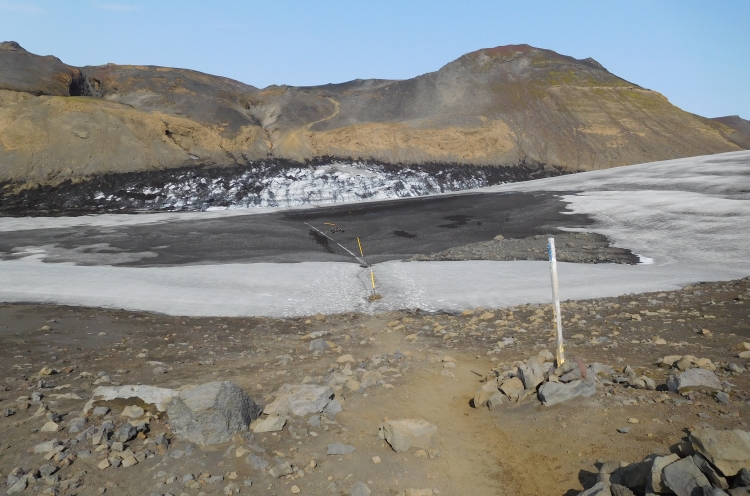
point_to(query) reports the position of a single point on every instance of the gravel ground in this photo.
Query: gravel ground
(577, 247)
(479, 452)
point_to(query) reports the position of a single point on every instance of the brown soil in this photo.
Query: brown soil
(523, 449)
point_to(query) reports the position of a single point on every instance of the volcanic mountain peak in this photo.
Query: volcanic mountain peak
(513, 105)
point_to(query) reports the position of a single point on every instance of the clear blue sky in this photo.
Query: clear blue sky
(697, 53)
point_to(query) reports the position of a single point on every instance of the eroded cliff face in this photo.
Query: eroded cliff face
(506, 106)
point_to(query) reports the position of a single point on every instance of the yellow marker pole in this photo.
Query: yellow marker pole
(372, 276)
(360, 248)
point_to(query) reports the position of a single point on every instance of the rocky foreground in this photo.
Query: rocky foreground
(651, 399)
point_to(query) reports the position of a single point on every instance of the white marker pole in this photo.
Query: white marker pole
(556, 299)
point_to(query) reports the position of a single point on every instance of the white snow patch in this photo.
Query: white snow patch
(691, 216)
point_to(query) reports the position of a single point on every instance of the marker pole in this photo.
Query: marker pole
(556, 299)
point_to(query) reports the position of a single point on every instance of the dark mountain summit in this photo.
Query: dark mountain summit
(507, 106)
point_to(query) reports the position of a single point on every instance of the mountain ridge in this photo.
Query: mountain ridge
(504, 106)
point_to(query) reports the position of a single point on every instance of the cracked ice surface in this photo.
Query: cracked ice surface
(691, 216)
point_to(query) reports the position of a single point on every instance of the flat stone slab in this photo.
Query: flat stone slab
(729, 451)
(340, 449)
(403, 434)
(299, 399)
(694, 379)
(685, 478)
(551, 393)
(151, 395)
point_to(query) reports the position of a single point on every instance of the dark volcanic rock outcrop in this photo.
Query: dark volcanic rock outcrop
(510, 106)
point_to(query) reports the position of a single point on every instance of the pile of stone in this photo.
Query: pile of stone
(710, 463)
(116, 440)
(539, 377)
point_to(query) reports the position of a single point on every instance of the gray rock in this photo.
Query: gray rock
(319, 345)
(100, 411)
(332, 409)
(47, 470)
(76, 425)
(693, 379)
(512, 387)
(722, 397)
(657, 468)
(634, 476)
(618, 490)
(573, 375)
(300, 400)
(684, 478)
(8, 412)
(733, 367)
(729, 451)
(484, 393)
(599, 489)
(256, 462)
(211, 413)
(360, 489)
(403, 434)
(597, 368)
(739, 491)
(710, 472)
(495, 400)
(743, 478)
(281, 469)
(531, 374)
(623, 430)
(340, 449)
(46, 446)
(314, 421)
(551, 393)
(18, 487)
(126, 433)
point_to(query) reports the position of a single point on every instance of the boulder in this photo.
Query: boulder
(634, 476)
(149, 395)
(403, 434)
(729, 451)
(710, 472)
(299, 399)
(484, 393)
(531, 374)
(684, 478)
(693, 379)
(743, 478)
(512, 387)
(495, 400)
(211, 413)
(551, 393)
(657, 468)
